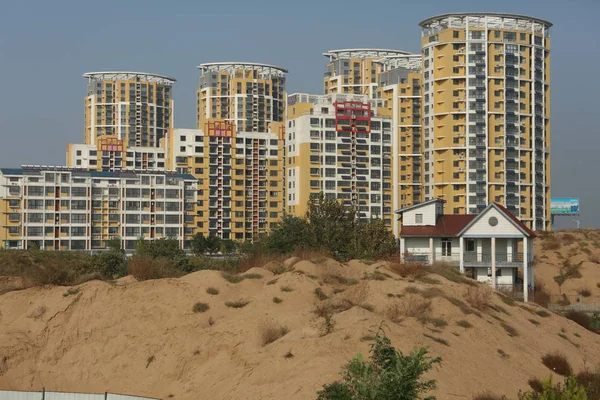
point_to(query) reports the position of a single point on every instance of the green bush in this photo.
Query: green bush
(389, 375)
(570, 390)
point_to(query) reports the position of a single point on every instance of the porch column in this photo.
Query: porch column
(431, 250)
(525, 270)
(509, 250)
(461, 257)
(402, 247)
(493, 262)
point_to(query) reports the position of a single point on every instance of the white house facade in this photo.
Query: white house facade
(492, 247)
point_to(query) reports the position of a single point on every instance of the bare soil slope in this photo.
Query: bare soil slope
(578, 251)
(144, 338)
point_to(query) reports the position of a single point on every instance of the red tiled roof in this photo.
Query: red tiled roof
(516, 220)
(446, 225)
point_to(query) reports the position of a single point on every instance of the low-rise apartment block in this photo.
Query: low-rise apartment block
(61, 208)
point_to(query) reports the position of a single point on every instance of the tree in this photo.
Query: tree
(167, 249)
(374, 240)
(291, 233)
(114, 260)
(228, 246)
(199, 244)
(390, 375)
(213, 244)
(331, 226)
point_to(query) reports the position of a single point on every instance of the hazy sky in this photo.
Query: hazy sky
(45, 47)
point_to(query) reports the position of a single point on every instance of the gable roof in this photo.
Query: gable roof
(400, 211)
(514, 220)
(445, 226)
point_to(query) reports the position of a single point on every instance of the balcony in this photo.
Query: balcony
(470, 259)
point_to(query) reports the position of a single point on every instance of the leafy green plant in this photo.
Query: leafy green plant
(389, 375)
(570, 390)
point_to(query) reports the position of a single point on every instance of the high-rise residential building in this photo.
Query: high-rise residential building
(399, 93)
(339, 145)
(135, 107)
(355, 71)
(486, 113)
(61, 208)
(237, 152)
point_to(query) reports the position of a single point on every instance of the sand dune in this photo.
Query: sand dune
(143, 337)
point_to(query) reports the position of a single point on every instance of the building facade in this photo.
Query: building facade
(61, 208)
(135, 107)
(486, 113)
(355, 71)
(339, 145)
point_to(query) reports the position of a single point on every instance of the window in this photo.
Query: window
(470, 245)
(418, 218)
(455, 34)
(446, 247)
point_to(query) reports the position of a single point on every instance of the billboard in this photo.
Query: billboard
(564, 206)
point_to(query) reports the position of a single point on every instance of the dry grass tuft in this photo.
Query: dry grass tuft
(414, 269)
(437, 339)
(503, 354)
(536, 385)
(320, 294)
(286, 289)
(333, 279)
(534, 321)
(488, 396)
(213, 291)
(463, 323)
(543, 313)
(145, 268)
(558, 363)
(200, 307)
(270, 331)
(409, 306)
(450, 272)
(277, 300)
(585, 292)
(479, 297)
(237, 303)
(512, 332)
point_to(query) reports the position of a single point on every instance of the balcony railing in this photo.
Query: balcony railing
(469, 259)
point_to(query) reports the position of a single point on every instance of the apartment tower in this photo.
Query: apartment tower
(339, 145)
(237, 150)
(486, 113)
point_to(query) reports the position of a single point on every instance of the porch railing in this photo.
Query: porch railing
(469, 259)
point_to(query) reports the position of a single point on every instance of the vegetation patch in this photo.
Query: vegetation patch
(413, 269)
(430, 293)
(543, 313)
(277, 300)
(270, 331)
(429, 280)
(463, 323)
(200, 307)
(71, 291)
(449, 272)
(534, 321)
(286, 289)
(237, 303)
(558, 363)
(479, 297)
(512, 332)
(339, 279)
(437, 339)
(320, 294)
(375, 276)
(462, 306)
(212, 291)
(272, 282)
(412, 290)
(503, 354)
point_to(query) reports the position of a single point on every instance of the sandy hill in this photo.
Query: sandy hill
(145, 338)
(576, 255)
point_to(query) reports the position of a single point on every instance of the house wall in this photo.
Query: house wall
(429, 215)
(505, 227)
(504, 277)
(416, 245)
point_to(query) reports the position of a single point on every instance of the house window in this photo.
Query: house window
(446, 247)
(470, 245)
(418, 218)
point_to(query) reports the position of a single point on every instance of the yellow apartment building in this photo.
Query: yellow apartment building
(486, 113)
(61, 208)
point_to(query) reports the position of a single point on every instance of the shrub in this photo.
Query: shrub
(543, 313)
(541, 295)
(512, 332)
(570, 390)
(231, 278)
(286, 289)
(320, 294)
(585, 292)
(388, 375)
(591, 382)
(568, 239)
(328, 324)
(534, 321)
(332, 279)
(580, 318)
(410, 306)
(449, 272)
(412, 290)
(277, 300)
(462, 306)
(430, 293)
(237, 303)
(405, 269)
(272, 282)
(252, 276)
(551, 244)
(488, 396)
(270, 331)
(437, 339)
(213, 291)
(463, 323)
(375, 276)
(145, 268)
(71, 291)
(200, 307)
(479, 297)
(536, 385)
(503, 354)
(558, 363)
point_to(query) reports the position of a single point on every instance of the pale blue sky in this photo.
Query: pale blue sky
(45, 46)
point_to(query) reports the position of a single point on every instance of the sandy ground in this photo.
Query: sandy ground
(143, 337)
(576, 247)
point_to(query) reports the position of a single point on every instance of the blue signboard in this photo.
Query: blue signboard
(564, 206)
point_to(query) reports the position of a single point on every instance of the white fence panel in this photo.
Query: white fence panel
(72, 396)
(16, 395)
